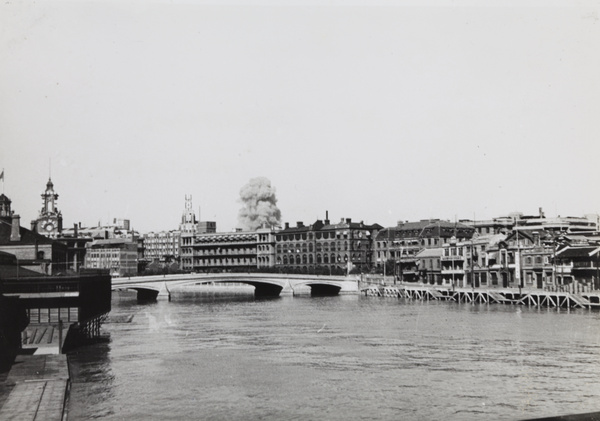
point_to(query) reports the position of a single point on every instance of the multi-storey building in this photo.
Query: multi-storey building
(189, 228)
(402, 243)
(162, 246)
(452, 263)
(118, 255)
(429, 265)
(265, 248)
(578, 263)
(231, 251)
(324, 247)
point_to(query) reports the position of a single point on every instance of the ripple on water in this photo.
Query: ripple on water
(337, 359)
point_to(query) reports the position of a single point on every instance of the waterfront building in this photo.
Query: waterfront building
(49, 221)
(452, 263)
(326, 248)
(429, 265)
(536, 261)
(578, 265)
(479, 252)
(402, 243)
(505, 257)
(118, 255)
(265, 248)
(226, 251)
(33, 251)
(188, 229)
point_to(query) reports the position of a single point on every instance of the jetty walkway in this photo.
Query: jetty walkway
(35, 389)
(535, 298)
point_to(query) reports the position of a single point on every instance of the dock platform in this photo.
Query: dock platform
(514, 296)
(38, 387)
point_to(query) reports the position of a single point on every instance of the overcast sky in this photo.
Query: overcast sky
(375, 111)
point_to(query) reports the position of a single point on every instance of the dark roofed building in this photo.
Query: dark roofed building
(33, 251)
(400, 244)
(579, 264)
(325, 247)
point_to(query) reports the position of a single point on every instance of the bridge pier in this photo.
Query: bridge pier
(164, 293)
(287, 290)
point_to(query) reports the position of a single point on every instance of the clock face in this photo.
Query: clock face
(48, 226)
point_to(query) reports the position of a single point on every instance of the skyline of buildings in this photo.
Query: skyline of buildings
(50, 219)
(429, 250)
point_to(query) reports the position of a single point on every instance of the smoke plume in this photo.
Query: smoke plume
(260, 205)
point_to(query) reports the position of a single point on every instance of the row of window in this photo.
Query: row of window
(225, 261)
(308, 247)
(225, 252)
(96, 255)
(311, 259)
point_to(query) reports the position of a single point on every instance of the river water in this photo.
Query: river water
(335, 358)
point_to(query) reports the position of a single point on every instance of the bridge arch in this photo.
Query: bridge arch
(266, 285)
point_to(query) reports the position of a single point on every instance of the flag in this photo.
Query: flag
(2, 175)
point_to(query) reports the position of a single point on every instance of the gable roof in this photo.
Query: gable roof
(28, 237)
(429, 228)
(587, 251)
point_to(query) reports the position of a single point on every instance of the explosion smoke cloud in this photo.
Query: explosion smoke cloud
(260, 205)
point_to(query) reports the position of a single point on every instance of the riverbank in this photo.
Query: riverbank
(35, 388)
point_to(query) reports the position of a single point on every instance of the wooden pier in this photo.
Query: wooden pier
(532, 298)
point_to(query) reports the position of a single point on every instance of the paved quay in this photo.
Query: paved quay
(35, 388)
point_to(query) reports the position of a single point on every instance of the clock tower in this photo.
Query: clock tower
(49, 221)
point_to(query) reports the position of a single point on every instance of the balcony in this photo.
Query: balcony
(452, 258)
(585, 265)
(450, 271)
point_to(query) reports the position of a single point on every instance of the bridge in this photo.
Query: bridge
(266, 284)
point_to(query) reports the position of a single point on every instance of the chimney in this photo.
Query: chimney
(300, 224)
(287, 225)
(75, 232)
(326, 217)
(348, 220)
(15, 232)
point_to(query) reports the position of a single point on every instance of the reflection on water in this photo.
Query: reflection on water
(338, 358)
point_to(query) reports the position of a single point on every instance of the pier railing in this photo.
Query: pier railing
(91, 294)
